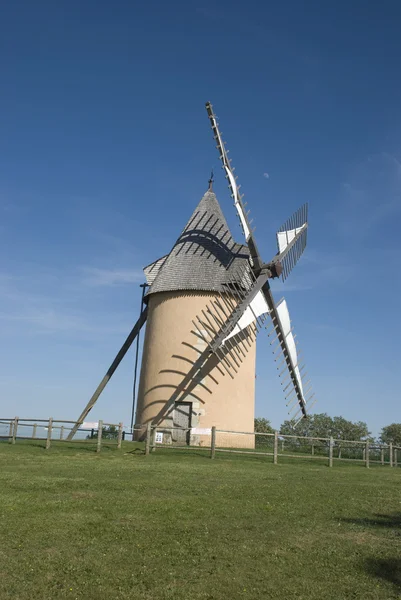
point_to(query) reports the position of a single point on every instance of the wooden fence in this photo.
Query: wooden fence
(18, 426)
(277, 446)
(211, 440)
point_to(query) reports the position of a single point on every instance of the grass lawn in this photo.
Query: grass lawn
(179, 525)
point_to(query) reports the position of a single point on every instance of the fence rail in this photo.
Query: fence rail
(211, 440)
(48, 428)
(276, 445)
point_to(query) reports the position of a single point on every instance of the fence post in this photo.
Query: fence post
(35, 426)
(62, 432)
(391, 453)
(275, 450)
(282, 446)
(382, 454)
(120, 435)
(313, 449)
(99, 435)
(49, 433)
(148, 434)
(213, 442)
(153, 444)
(15, 427)
(395, 457)
(331, 452)
(367, 454)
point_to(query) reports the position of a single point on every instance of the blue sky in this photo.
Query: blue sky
(106, 149)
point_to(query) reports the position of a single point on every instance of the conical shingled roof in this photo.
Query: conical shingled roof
(203, 258)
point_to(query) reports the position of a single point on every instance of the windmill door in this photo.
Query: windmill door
(182, 420)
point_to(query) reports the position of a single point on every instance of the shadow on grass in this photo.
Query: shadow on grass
(183, 453)
(136, 451)
(390, 521)
(58, 446)
(32, 444)
(388, 569)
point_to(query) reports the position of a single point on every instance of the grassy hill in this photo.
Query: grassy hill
(176, 525)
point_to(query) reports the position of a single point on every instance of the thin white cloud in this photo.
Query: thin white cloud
(282, 287)
(394, 161)
(7, 206)
(370, 197)
(266, 175)
(95, 277)
(73, 303)
(49, 321)
(317, 270)
(46, 320)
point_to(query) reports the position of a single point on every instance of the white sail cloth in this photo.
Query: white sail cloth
(284, 238)
(285, 321)
(257, 307)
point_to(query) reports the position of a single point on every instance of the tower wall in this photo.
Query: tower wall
(168, 353)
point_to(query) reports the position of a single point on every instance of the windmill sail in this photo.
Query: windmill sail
(291, 240)
(230, 314)
(257, 308)
(223, 320)
(288, 336)
(229, 173)
(234, 188)
(295, 386)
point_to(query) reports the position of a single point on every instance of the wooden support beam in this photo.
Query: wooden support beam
(120, 355)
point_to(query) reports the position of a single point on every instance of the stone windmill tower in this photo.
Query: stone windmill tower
(184, 283)
(206, 301)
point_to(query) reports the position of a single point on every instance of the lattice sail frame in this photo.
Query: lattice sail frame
(291, 240)
(236, 312)
(291, 349)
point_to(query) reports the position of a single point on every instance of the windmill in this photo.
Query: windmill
(205, 304)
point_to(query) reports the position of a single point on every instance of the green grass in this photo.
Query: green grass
(176, 525)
